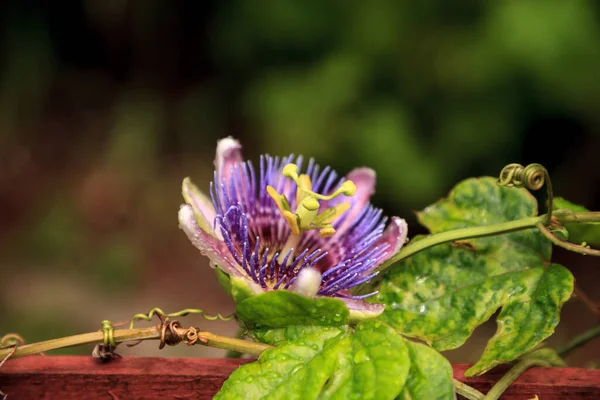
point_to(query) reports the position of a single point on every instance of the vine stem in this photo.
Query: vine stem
(123, 335)
(483, 231)
(516, 371)
(579, 341)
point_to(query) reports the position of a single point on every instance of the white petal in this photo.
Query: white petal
(229, 153)
(208, 245)
(203, 208)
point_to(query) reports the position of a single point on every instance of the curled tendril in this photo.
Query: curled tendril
(182, 313)
(11, 339)
(108, 331)
(532, 177)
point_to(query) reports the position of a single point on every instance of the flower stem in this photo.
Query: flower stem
(579, 341)
(122, 335)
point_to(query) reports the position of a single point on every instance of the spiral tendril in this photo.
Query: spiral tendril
(182, 313)
(11, 339)
(108, 331)
(532, 177)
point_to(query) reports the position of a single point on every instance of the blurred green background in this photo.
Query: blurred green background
(106, 105)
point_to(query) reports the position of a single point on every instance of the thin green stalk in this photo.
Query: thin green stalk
(236, 354)
(461, 234)
(123, 335)
(467, 391)
(579, 341)
(120, 335)
(484, 231)
(516, 371)
(233, 344)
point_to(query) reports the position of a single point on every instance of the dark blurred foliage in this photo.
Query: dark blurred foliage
(105, 105)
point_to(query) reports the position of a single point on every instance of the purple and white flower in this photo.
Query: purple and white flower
(312, 232)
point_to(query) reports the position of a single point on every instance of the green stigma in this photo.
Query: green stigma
(307, 216)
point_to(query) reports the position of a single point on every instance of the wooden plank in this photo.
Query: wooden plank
(546, 383)
(67, 377)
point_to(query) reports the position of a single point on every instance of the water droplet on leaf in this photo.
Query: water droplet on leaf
(361, 356)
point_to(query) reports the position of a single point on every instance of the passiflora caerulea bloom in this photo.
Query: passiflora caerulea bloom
(283, 229)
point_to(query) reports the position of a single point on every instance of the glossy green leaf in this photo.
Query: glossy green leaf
(523, 323)
(430, 375)
(296, 369)
(281, 308)
(442, 294)
(371, 362)
(578, 233)
(279, 336)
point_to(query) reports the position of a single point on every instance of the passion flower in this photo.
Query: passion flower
(283, 229)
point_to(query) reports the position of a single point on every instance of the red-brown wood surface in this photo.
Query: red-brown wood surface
(63, 377)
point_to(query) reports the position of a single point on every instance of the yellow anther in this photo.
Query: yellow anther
(326, 232)
(280, 200)
(304, 182)
(292, 220)
(306, 215)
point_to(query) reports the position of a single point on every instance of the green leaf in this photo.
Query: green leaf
(430, 375)
(371, 362)
(580, 232)
(281, 308)
(442, 294)
(279, 336)
(374, 366)
(307, 363)
(524, 323)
